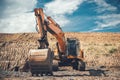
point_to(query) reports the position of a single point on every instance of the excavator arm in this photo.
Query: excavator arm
(49, 25)
(41, 28)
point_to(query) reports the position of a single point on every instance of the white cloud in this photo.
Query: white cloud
(23, 22)
(106, 24)
(19, 6)
(108, 16)
(16, 17)
(58, 8)
(106, 20)
(110, 24)
(109, 21)
(103, 6)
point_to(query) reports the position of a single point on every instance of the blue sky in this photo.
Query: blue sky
(72, 15)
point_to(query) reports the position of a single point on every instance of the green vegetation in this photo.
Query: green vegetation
(113, 50)
(107, 44)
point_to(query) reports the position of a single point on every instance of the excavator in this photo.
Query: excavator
(44, 60)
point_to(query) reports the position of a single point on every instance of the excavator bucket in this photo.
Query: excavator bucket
(40, 61)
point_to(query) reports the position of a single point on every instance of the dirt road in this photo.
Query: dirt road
(66, 73)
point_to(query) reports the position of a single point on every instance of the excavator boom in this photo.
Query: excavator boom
(49, 25)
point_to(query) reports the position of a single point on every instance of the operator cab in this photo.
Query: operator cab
(72, 47)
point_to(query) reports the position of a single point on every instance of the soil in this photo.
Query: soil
(101, 51)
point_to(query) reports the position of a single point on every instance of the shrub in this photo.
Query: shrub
(107, 44)
(113, 50)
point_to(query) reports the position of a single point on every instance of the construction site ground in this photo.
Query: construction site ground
(101, 51)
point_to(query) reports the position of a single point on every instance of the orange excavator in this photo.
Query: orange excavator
(44, 60)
